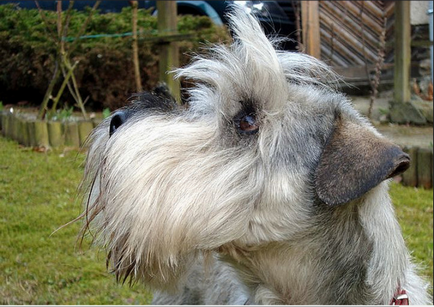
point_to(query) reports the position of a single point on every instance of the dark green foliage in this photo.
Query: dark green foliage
(105, 71)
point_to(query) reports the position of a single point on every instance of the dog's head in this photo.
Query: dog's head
(265, 140)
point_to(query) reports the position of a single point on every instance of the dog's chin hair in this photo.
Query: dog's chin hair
(177, 223)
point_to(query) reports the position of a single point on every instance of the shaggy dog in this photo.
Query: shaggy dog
(268, 189)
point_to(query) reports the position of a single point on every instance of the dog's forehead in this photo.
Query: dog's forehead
(251, 71)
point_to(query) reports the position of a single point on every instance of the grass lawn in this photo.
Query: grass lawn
(37, 195)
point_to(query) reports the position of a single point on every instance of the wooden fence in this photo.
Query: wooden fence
(43, 133)
(420, 173)
(351, 36)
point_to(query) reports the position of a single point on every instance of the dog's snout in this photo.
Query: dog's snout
(402, 163)
(117, 120)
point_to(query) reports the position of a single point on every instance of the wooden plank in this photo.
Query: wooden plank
(137, 77)
(351, 25)
(350, 40)
(6, 124)
(72, 137)
(55, 134)
(169, 52)
(41, 136)
(342, 49)
(358, 71)
(21, 131)
(389, 8)
(32, 134)
(329, 12)
(329, 55)
(424, 168)
(85, 127)
(340, 21)
(409, 177)
(373, 8)
(402, 52)
(356, 11)
(311, 28)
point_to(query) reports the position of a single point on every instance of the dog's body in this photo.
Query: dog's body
(269, 189)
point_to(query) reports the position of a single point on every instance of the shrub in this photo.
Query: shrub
(105, 69)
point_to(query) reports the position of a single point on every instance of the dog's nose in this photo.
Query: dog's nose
(402, 163)
(117, 120)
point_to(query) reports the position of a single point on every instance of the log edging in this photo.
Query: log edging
(46, 133)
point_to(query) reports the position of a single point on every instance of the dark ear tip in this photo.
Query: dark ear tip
(402, 164)
(117, 120)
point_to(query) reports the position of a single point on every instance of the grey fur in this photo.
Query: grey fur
(227, 201)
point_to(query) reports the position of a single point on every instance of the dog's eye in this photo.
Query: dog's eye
(246, 123)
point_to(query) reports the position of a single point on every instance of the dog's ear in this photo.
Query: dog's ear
(354, 161)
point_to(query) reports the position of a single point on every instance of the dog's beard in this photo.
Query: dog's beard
(150, 221)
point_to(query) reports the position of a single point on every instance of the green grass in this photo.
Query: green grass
(37, 195)
(414, 208)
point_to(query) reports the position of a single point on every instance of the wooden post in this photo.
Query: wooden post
(138, 79)
(55, 134)
(40, 130)
(72, 137)
(424, 168)
(14, 130)
(32, 134)
(402, 52)
(310, 25)
(84, 130)
(6, 126)
(402, 109)
(409, 177)
(169, 51)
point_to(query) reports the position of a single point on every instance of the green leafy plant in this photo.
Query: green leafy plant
(63, 114)
(383, 111)
(66, 112)
(106, 113)
(105, 70)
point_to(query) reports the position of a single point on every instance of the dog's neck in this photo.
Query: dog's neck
(331, 264)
